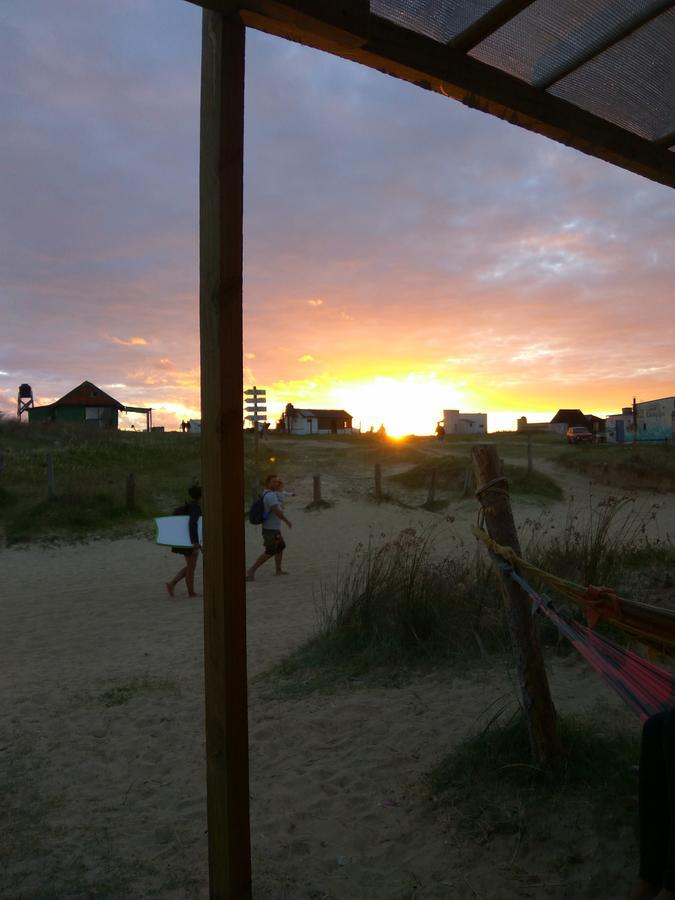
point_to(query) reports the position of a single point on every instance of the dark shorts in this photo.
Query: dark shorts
(273, 541)
(184, 551)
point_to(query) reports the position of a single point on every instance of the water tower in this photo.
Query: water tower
(24, 400)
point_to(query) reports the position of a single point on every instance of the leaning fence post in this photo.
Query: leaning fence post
(378, 481)
(431, 496)
(493, 496)
(317, 489)
(131, 491)
(529, 454)
(50, 477)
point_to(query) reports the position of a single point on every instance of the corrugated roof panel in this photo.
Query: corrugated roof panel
(551, 34)
(440, 20)
(642, 99)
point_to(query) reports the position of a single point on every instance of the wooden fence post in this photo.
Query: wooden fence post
(529, 454)
(431, 496)
(131, 491)
(50, 477)
(378, 481)
(317, 489)
(493, 495)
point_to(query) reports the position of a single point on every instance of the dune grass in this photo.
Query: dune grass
(455, 476)
(641, 467)
(90, 472)
(490, 790)
(400, 604)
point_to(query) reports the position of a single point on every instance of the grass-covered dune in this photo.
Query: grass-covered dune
(642, 467)
(90, 477)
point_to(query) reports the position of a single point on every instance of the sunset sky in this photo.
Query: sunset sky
(402, 254)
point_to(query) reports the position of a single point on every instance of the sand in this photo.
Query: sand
(101, 738)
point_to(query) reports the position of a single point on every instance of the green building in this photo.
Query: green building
(86, 405)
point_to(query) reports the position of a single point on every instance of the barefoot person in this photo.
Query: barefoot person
(191, 554)
(657, 809)
(271, 527)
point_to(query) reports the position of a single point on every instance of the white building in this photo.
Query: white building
(317, 421)
(655, 422)
(456, 422)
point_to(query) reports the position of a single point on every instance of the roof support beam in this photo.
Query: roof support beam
(666, 140)
(487, 24)
(604, 43)
(342, 27)
(220, 308)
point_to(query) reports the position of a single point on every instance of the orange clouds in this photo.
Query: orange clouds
(130, 342)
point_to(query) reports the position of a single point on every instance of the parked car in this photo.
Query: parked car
(577, 434)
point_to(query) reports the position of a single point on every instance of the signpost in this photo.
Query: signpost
(255, 402)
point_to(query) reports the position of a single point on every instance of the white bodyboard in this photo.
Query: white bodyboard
(174, 531)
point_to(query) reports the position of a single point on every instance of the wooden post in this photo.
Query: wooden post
(431, 496)
(131, 491)
(50, 477)
(529, 454)
(378, 481)
(221, 244)
(317, 489)
(494, 497)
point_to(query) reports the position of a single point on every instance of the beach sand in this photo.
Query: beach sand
(102, 756)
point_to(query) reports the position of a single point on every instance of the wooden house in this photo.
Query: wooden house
(86, 404)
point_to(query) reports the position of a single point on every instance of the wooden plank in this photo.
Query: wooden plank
(221, 210)
(535, 694)
(345, 29)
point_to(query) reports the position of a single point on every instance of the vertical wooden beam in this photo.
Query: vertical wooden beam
(493, 496)
(221, 239)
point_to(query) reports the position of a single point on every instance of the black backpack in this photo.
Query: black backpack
(256, 514)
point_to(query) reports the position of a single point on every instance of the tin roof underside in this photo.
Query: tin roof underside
(597, 75)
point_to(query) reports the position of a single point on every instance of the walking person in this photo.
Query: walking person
(192, 509)
(273, 516)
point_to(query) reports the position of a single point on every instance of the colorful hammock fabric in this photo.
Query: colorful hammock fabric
(643, 686)
(651, 625)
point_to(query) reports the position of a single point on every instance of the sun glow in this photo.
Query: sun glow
(410, 405)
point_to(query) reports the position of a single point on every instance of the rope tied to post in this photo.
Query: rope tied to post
(652, 625)
(492, 485)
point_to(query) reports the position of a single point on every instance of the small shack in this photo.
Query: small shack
(87, 404)
(316, 421)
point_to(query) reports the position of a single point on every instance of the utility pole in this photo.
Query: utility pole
(635, 427)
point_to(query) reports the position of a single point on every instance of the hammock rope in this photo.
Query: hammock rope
(643, 686)
(651, 625)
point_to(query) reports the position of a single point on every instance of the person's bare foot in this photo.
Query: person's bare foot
(169, 588)
(281, 572)
(194, 594)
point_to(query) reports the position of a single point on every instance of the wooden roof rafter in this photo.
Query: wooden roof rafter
(347, 28)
